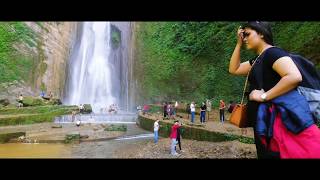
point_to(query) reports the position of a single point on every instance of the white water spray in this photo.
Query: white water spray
(91, 69)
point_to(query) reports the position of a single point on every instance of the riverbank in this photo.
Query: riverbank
(190, 149)
(56, 133)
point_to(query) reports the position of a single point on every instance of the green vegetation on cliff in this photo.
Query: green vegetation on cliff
(14, 65)
(189, 60)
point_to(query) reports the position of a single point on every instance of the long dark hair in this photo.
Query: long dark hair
(261, 27)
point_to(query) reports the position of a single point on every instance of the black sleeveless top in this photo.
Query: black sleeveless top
(263, 76)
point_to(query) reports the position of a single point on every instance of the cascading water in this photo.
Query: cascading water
(91, 73)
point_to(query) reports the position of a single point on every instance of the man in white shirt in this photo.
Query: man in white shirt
(193, 111)
(156, 130)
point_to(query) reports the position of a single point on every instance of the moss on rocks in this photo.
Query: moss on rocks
(37, 101)
(71, 138)
(87, 108)
(6, 137)
(30, 115)
(113, 127)
(4, 102)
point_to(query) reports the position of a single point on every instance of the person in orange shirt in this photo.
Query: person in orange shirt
(222, 107)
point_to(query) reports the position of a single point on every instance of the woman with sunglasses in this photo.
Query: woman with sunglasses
(273, 78)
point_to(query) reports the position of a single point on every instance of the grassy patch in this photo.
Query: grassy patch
(114, 127)
(34, 109)
(30, 115)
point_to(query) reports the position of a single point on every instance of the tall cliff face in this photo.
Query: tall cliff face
(36, 58)
(47, 49)
(55, 40)
(126, 53)
(128, 63)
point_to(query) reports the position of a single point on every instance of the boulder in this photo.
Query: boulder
(4, 102)
(87, 109)
(73, 137)
(37, 101)
(84, 136)
(56, 126)
(54, 101)
(32, 101)
(6, 137)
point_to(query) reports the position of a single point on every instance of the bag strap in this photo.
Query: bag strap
(246, 83)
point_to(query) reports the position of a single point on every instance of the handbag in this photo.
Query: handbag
(239, 114)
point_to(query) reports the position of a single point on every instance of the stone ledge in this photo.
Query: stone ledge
(6, 137)
(192, 132)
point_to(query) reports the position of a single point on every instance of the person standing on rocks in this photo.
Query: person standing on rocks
(156, 131)
(165, 110)
(203, 113)
(222, 108)
(81, 108)
(20, 101)
(179, 136)
(188, 110)
(50, 95)
(173, 137)
(193, 111)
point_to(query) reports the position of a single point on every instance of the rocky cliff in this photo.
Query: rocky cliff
(55, 40)
(46, 50)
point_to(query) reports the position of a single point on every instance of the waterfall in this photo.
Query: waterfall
(92, 74)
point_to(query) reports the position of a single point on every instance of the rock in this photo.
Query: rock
(21, 138)
(87, 109)
(72, 137)
(56, 126)
(54, 101)
(115, 37)
(4, 102)
(95, 128)
(84, 136)
(103, 125)
(32, 101)
(6, 137)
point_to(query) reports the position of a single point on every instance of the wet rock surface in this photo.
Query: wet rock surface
(190, 149)
(51, 132)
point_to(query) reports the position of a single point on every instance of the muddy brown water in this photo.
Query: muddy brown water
(103, 149)
(32, 150)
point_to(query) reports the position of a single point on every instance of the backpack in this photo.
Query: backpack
(309, 87)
